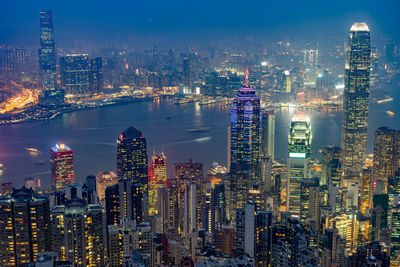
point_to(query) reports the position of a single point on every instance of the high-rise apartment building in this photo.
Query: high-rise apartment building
(62, 166)
(104, 180)
(77, 233)
(386, 155)
(24, 227)
(356, 101)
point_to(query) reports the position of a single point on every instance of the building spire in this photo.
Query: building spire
(247, 77)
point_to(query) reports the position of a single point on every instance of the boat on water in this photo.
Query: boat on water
(31, 149)
(198, 130)
(391, 113)
(1, 166)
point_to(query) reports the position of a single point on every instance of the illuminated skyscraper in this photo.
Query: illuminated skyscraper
(47, 51)
(77, 233)
(286, 82)
(132, 156)
(24, 227)
(62, 166)
(299, 154)
(245, 144)
(356, 101)
(157, 178)
(50, 96)
(74, 70)
(395, 237)
(386, 154)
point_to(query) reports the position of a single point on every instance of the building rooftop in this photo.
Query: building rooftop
(359, 27)
(60, 147)
(131, 133)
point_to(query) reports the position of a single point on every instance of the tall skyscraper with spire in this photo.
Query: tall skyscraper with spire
(245, 144)
(356, 101)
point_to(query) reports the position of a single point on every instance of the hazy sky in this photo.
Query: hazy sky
(111, 20)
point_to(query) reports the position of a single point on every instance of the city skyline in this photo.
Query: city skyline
(283, 152)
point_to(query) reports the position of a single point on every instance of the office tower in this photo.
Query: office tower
(24, 227)
(331, 166)
(77, 233)
(124, 200)
(386, 155)
(96, 75)
(157, 178)
(20, 58)
(268, 132)
(299, 154)
(290, 242)
(245, 143)
(286, 83)
(228, 149)
(254, 233)
(347, 223)
(310, 67)
(186, 71)
(267, 181)
(47, 51)
(62, 166)
(309, 202)
(132, 157)
(356, 101)
(395, 237)
(104, 180)
(74, 70)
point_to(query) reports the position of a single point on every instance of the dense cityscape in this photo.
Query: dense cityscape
(304, 203)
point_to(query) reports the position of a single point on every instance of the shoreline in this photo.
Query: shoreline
(58, 112)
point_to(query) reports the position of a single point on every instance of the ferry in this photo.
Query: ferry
(391, 113)
(198, 130)
(1, 166)
(31, 149)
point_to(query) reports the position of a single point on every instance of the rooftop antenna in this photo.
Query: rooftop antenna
(247, 78)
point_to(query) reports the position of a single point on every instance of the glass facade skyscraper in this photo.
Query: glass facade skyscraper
(62, 166)
(356, 101)
(47, 51)
(299, 150)
(245, 144)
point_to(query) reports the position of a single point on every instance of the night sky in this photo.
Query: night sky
(115, 20)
